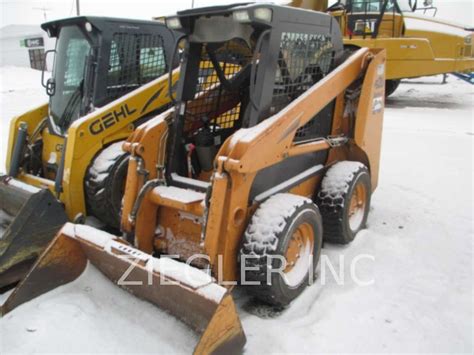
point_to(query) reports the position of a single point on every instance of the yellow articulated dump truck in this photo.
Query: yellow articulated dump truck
(273, 146)
(416, 44)
(64, 158)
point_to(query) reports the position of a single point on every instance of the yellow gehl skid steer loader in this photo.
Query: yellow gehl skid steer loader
(64, 159)
(244, 177)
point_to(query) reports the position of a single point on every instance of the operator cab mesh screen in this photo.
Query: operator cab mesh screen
(214, 104)
(135, 59)
(304, 59)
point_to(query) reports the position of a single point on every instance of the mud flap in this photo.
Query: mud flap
(29, 218)
(185, 292)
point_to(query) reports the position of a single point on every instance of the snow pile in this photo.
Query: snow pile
(23, 186)
(182, 195)
(95, 236)
(93, 308)
(15, 79)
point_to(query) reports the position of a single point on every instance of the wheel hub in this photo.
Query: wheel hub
(357, 206)
(301, 240)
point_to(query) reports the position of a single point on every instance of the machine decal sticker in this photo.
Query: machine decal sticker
(381, 69)
(377, 104)
(110, 118)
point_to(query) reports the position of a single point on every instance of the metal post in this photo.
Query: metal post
(78, 10)
(44, 9)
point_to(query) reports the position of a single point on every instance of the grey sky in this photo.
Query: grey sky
(29, 11)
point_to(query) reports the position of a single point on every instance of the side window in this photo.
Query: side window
(365, 15)
(304, 60)
(152, 62)
(72, 49)
(135, 59)
(114, 62)
(76, 54)
(366, 6)
(36, 58)
(390, 6)
(362, 6)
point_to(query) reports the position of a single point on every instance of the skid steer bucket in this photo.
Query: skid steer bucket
(29, 219)
(182, 290)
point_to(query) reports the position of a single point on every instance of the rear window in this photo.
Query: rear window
(135, 59)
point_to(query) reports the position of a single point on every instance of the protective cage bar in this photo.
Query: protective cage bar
(304, 59)
(232, 57)
(135, 59)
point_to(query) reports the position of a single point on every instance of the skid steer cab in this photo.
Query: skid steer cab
(272, 146)
(64, 158)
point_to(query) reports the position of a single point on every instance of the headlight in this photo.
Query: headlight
(160, 19)
(173, 23)
(264, 14)
(241, 16)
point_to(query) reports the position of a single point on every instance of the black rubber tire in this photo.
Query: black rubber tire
(104, 185)
(334, 199)
(286, 212)
(391, 86)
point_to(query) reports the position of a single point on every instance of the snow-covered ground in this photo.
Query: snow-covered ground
(417, 249)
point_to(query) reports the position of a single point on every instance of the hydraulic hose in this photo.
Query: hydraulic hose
(18, 149)
(58, 182)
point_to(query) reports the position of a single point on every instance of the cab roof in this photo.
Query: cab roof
(280, 14)
(53, 27)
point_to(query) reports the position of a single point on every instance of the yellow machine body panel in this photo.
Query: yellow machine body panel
(421, 51)
(416, 45)
(32, 118)
(51, 155)
(86, 137)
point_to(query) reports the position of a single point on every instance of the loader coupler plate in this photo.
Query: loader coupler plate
(29, 219)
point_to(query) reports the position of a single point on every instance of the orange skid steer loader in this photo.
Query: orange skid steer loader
(245, 176)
